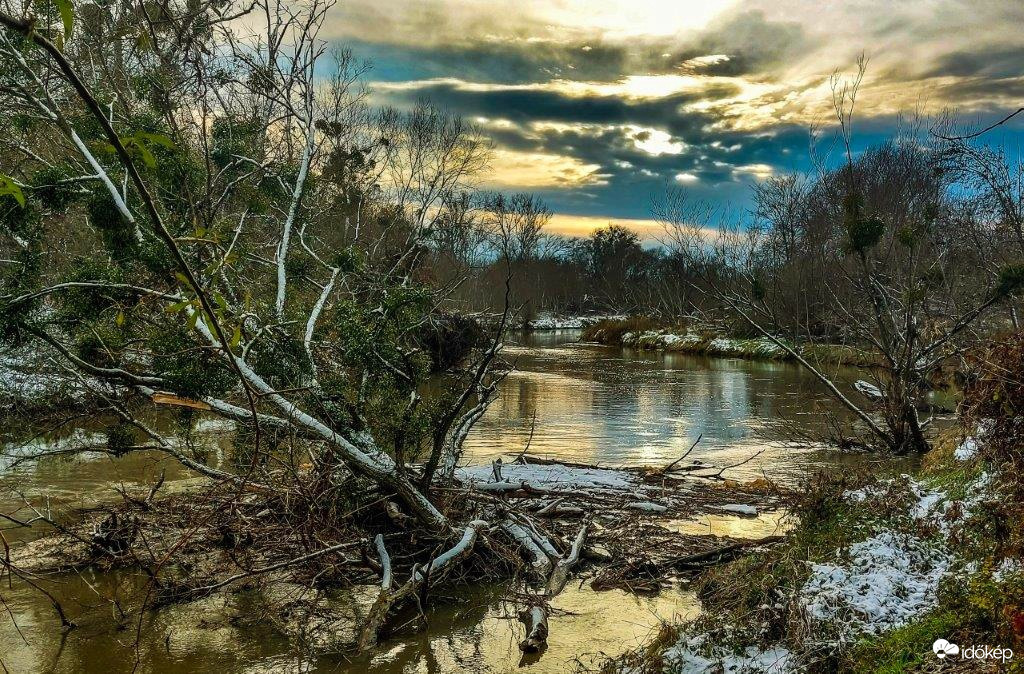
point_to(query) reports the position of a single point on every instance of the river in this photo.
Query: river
(581, 402)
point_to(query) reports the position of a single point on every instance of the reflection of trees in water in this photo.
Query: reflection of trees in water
(592, 406)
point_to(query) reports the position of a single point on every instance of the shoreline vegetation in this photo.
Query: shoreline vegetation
(647, 334)
(875, 569)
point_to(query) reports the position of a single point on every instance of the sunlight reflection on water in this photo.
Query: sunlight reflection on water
(590, 403)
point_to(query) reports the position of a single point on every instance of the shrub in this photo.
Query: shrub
(610, 331)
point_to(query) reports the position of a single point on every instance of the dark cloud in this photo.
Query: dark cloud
(788, 47)
(499, 62)
(995, 62)
(525, 105)
(752, 42)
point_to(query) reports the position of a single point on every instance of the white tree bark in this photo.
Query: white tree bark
(293, 210)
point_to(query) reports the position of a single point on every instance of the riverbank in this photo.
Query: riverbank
(647, 334)
(877, 571)
(546, 321)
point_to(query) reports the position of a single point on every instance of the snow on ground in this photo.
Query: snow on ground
(889, 579)
(553, 476)
(647, 506)
(17, 383)
(875, 585)
(967, 450)
(717, 346)
(27, 377)
(547, 321)
(739, 508)
(691, 655)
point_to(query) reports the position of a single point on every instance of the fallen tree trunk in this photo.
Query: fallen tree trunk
(536, 620)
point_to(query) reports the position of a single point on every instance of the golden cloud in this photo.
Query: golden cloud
(513, 169)
(565, 224)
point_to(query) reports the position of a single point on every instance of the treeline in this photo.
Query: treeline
(938, 220)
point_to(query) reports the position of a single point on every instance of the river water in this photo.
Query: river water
(567, 400)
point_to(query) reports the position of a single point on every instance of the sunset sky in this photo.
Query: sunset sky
(597, 105)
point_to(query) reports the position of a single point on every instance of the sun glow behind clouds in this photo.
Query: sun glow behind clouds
(599, 103)
(565, 224)
(520, 170)
(632, 17)
(656, 142)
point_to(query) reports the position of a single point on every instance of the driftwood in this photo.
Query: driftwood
(551, 528)
(722, 555)
(552, 570)
(389, 599)
(528, 459)
(670, 467)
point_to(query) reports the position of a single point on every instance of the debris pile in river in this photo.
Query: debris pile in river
(533, 521)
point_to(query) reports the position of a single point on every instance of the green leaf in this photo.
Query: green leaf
(9, 187)
(137, 147)
(178, 306)
(193, 319)
(67, 15)
(184, 279)
(236, 337)
(156, 139)
(119, 319)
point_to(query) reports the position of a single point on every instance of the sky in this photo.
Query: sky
(599, 105)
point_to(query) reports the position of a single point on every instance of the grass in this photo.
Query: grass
(611, 331)
(905, 648)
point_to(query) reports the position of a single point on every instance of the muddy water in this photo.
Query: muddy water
(621, 407)
(566, 400)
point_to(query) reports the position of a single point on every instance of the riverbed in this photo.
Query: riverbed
(565, 400)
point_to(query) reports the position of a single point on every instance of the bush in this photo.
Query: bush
(610, 331)
(449, 339)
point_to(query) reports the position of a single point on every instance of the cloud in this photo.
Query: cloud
(564, 224)
(511, 169)
(459, 21)
(759, 171)
(598, 104)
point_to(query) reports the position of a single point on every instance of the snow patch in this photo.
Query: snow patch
(648, 506)
(739, 508)
(967, 450)
(548, 321)
(722, 344)
(890, 579)
(554, 476)
(25, 378)
(692, 655)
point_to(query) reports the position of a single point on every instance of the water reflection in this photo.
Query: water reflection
(766, 524)
(587, 403)
(471, 630)
(621, 407)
